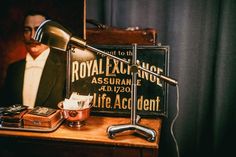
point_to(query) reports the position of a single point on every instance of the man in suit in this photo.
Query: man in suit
(40, 78)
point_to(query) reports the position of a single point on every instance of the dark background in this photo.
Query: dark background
(201, 35)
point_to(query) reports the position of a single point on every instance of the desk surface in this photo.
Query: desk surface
(94, 132)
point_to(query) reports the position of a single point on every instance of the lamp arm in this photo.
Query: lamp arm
(162, 77)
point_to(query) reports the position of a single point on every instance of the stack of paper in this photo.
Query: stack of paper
(77, 102)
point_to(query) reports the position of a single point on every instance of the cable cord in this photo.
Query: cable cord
(173, 121)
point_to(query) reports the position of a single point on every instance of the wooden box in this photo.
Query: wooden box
(104, 35)
(41, 121)
(121, 36)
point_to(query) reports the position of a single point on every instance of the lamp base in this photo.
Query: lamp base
(148, 133)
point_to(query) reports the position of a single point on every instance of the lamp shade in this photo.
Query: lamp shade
(53, 34)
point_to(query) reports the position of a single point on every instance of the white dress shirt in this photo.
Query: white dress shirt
(33, 73)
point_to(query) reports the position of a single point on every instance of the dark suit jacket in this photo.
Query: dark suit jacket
(52, 87)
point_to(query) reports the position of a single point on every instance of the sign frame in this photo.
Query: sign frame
(160, 51)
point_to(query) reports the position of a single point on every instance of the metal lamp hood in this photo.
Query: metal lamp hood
(56, 36)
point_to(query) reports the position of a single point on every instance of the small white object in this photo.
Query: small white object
(76, 102)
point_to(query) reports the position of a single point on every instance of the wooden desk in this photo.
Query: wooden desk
(91, 140)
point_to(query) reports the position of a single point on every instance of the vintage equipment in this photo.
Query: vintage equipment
(63, 40)
(46, 34)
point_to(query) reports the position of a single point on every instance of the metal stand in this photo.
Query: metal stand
(148, 133)
(68, 71)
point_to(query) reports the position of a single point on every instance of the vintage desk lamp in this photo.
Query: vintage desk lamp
(56, 36)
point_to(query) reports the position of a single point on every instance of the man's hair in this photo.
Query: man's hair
(35, 12)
